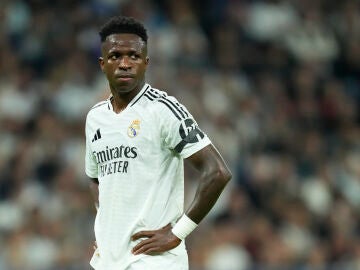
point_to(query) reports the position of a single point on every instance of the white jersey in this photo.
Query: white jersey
(137, 156)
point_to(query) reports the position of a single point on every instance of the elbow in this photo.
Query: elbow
(223, 175)
(227, 175)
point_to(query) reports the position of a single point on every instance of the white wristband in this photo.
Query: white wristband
(183, 227)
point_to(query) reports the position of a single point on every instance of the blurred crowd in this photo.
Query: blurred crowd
(274, 83)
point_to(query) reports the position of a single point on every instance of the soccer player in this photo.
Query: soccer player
(136, 142)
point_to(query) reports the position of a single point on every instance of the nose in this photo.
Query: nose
(124, 63)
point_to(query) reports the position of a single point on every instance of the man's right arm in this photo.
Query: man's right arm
(94, 187)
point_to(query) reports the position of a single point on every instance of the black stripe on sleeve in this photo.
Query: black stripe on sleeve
(154, 95)
(180, 146)
(182, 108)
(167, 105)
(174, 106)
(146, 95)
(163, 97)
(154, 92)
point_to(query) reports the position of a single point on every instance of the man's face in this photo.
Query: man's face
(124, 61)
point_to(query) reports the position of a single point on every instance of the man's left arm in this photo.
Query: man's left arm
(214, 177)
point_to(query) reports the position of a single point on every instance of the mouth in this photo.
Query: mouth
(124, 77)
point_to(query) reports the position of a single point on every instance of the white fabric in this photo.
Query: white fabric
(168, 261)
(137, 156)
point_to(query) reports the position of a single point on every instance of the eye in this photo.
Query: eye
(114, 56)
(135, 56)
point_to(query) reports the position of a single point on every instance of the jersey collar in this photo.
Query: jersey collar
(133, 101)
(139, 95)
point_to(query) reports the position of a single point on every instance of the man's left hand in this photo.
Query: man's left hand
(157, 241)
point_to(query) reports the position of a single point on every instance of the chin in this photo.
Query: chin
(123, 89)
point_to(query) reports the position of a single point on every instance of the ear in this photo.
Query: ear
(147, 60)
(101, 63)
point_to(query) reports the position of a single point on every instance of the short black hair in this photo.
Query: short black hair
(123, 24)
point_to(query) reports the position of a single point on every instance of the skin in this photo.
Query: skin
(124, 61)
(214, 175)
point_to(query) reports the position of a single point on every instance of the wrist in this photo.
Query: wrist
(183, 227)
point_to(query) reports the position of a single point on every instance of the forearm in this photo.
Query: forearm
(94, 188)
(209, 189)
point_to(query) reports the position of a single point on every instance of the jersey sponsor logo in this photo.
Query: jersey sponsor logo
(109, 154)
(134, 128)
(113, 160)
(189, 132)
(120, 166)
(97, 135)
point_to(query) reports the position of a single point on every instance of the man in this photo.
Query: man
(135, 145)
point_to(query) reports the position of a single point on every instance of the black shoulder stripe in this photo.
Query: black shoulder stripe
(151, 94)
(146, 95)
(140, 96)
(167, 105)
(154, 92)
(173, 104)
(163, 97)
(182, 109)
(153, 97)
(170, 104)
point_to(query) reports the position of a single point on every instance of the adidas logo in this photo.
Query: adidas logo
(97, 136)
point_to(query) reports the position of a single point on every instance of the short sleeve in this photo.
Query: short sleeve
(180, 131)
(91, 168)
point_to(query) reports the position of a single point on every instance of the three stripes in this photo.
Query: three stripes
(175, 107)
(179, 112)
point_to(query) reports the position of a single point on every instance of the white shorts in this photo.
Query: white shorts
(176, 259)
(169, 261)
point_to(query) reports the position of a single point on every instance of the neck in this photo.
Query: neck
(121, 100)
(118, 104)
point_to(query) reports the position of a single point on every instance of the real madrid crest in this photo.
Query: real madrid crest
(134, 128)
